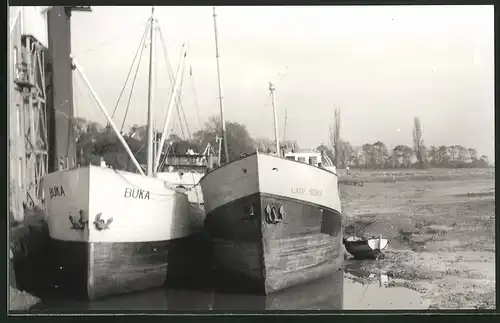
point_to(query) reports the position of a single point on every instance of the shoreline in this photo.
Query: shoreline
(441, 236)
(442, 239)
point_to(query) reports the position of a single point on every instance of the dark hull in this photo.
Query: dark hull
(263, 257)
(12, 274)
(326, 293)
(361, 249)
(90, 271)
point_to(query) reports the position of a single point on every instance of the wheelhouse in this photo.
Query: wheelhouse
(315, 158)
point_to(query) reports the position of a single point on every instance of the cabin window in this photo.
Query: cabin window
(290, 157)
(313, 160)
(302, 159)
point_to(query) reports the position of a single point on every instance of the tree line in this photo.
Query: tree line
(378, 155)
(94, 141)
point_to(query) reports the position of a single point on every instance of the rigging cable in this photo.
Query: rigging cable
(165, 53)
(169, 66)
(182, 108)
(167, 62)
(178, 103)
(180, 122)
(79, 95)
(107, 42)
(90, 99)
(164, 159)
(132, 87)
(195, 96)
(174, 124)
(139, 50)
(177, 99)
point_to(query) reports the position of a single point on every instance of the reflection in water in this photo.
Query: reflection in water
(376, 292)
(321, 294)
(377, 296)
(324, 294)
(334, 292)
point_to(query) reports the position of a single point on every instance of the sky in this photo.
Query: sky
(380, 65)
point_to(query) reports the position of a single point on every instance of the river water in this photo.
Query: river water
(335, 292)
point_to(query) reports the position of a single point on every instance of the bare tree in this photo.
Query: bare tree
(335, 137)
(418, 142)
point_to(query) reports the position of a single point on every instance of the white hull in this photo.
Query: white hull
(142, 208)
(379, 244)
(267, 174)
(188, 180)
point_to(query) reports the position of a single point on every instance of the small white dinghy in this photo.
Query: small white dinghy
(362, 248)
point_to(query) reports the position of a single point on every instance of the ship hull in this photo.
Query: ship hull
(365, 248)
(326, 293)
(189, 181)
(116, 232)
(274, 223)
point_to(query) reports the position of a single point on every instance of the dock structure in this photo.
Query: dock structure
(40, 100)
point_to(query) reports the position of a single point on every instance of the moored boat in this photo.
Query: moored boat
(115, 231)
(183, 172)
(362, 248)
(112, 232)
(274, 222)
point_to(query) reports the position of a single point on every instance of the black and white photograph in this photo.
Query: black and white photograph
(250, 158)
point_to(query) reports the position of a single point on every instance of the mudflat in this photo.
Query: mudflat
(441, 229)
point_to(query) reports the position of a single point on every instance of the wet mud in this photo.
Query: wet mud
(441, 255)
(441, 235)
(342, 290)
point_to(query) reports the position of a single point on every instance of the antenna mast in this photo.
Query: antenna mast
(276, 135)
(222, 120)
(151, 95)
(218, 140)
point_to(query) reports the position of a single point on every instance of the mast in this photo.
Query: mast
(276, 136)
(78, 68)
(171, 103)
(219, 141)
(222, 120)
(150, 95)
